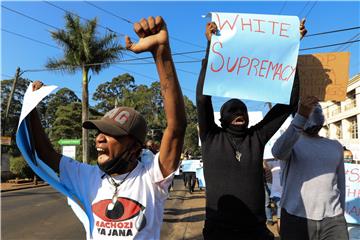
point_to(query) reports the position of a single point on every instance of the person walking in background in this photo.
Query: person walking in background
(267, 185)
(348, 156)
(276, 190)
(313, 179)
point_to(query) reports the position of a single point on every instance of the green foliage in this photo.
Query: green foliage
(81, 45)
(191, 141)
(109, 93)
(62, 97)
(20, 168)
(9, 127)
(83, 49)
(148, 101)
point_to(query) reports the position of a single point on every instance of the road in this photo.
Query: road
(42, 213)
(38, 213)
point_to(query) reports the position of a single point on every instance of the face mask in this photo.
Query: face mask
(118, 164)
(232, 109)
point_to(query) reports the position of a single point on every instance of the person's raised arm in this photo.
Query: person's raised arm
(43, 146)
(283, 146)
(154, 38)
(204, 106)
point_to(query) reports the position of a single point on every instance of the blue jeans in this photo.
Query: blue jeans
(298, 228)
(267, 202)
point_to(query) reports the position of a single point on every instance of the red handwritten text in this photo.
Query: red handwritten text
(262, 68)
(255, 25)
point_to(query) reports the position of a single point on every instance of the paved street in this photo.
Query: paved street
(38, 213)
(42, 213)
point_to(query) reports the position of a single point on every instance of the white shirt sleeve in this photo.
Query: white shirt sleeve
(161, 183)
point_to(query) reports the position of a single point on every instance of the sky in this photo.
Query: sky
(26, 40)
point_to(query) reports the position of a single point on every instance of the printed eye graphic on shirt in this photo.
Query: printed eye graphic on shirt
(124, 209)
(125, 217)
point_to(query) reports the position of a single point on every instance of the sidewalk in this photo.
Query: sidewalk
(184, 214)
(12, 186)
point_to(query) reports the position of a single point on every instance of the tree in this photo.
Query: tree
(62, 97)
(84, 50)
(148, 101)
(9, 128)
(110, 93)
(191, 135)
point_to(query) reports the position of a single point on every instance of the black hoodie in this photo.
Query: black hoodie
(235, 189)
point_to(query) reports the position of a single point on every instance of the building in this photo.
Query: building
(342, 119)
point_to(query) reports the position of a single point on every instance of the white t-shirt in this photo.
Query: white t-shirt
(142, 197)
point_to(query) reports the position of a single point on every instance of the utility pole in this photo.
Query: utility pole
(5, 169)
(17, 75)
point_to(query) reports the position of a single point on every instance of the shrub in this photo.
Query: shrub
(20, 168)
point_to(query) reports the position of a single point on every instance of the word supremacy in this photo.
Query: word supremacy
(246, 65)
(262, 68)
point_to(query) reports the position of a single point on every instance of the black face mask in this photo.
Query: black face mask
(118, 164)
(229, 111)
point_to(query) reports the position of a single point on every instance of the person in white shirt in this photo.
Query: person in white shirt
(126, 196)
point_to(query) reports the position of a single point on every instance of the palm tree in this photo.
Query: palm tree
(84, 50)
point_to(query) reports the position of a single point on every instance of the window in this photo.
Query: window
(354, 131)
(336, 109)
(351, 101)
(338, 130)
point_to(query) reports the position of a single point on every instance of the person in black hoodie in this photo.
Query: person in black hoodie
(233, 161)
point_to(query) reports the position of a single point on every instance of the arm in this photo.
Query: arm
(278, 114)
(43, 146)
(204, 106)
(340, 174)
(283, 146)
(154, 38)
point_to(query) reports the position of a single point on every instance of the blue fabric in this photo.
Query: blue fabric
(24, 143)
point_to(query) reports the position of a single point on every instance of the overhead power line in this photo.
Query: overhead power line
(86, 19)
(330, 45)
(104, 27)
(333, 31)
(308, 13)
(130, 22)
(307, 3)
(343, 47)
(6, 75)
(29, 38)
(178, 53)
(108, 12)
(283, 7)
(27, 16)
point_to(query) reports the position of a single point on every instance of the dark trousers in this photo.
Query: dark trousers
(190, 180)
(213, 231)
(298, 228)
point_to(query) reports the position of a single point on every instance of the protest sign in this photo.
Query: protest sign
(352, 193)
(190, 165)
(253, 56)
(324, 75)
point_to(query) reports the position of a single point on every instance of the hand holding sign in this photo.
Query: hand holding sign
(253, 56)
(211, 29)
(37, 85)
(303, 30)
